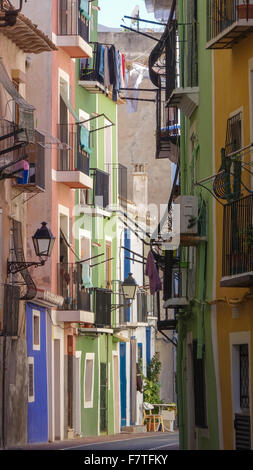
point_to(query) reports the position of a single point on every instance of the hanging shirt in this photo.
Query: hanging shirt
(86, 279)
(152, 272)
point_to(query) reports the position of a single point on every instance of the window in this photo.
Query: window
(31, 392)
(89, 380)
(199, 388)
(36, 330)
(84, 197)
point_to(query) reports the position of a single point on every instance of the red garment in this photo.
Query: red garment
(123, 60)
(152, 272)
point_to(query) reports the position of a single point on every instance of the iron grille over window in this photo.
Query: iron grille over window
(234, 134)
(244, 376)
(11, 310)
(199, 388)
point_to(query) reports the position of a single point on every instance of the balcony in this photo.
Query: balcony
(101, 188)
(33, 180)
(228, 21)
(167, 131)
(146, 307)
(122, 185)
(90, 79)
(73, 163)
(22, 157)
(237, 255)
(102, 302)
(77, 299)
(179, 280)
(73, 29)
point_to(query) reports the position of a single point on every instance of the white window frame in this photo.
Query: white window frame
(31, 399)
(89, 357)
(36, 313)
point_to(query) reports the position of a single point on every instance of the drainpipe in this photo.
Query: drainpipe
(108, 378)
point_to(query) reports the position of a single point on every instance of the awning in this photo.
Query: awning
(84, 9)
(10, 88)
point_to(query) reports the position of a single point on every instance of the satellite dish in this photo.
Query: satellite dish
(135, 14)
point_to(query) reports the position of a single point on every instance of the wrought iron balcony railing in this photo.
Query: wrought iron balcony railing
(76, 156)
(179, 280)
(70, 287)
(237, 256)
(71, 19)
(227, 21)
(101, 188)
(102, 304)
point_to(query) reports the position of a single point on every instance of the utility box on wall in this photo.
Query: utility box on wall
(188, 212)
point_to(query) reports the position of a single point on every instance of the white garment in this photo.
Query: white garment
(134, 79)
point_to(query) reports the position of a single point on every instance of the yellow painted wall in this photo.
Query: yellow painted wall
(231, 75)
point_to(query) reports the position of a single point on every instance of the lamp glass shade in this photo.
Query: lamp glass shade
(43, 241)
(129, 287)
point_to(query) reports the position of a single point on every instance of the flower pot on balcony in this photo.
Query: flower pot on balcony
(244, 12)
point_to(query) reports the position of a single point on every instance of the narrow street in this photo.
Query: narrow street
(145, 441)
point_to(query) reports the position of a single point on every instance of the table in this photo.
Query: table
(167, 415)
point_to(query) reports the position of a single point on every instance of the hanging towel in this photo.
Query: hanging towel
(101, 67)
(84, 9)
(106, 69)
(152, 272)
(86, 280)
(85, 139)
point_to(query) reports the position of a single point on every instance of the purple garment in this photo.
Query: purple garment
(152, 272)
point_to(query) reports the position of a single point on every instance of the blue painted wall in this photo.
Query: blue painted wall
(127, 263)
(123, 383)
(38, 410)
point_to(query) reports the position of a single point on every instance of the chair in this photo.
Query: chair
(153, 421)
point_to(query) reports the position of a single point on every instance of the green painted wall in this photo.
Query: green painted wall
(198, 320)
(99, 226)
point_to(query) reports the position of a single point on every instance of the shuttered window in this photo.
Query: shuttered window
(31, 392)
(199, 388)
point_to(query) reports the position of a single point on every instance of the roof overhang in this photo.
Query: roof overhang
(28, 37)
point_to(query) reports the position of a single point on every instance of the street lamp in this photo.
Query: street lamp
(129, 288)
(43, 241)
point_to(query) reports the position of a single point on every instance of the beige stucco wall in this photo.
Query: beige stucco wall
(136, 139)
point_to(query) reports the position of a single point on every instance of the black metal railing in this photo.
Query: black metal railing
(101, 188)
(102, 302)
(237, 256)
(36, 161)
(122, 184)
(223, 13)
(11, 310)
(167, 127)
(75, 156)
(70, 20)
(76, 297)
(179, 277)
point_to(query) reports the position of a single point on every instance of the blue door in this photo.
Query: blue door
(123, 383)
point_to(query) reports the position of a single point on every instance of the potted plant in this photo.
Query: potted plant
(245, 9)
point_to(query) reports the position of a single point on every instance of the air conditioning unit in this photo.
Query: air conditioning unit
(188, 214)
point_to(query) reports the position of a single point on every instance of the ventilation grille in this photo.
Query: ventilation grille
(242, 432)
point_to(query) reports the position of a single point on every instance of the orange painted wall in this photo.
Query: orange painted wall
(231, 76)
